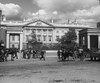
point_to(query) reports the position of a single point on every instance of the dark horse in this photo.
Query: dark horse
(67, 53)
(12, 52)
(2, 55)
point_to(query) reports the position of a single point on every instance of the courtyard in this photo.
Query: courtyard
(49, 71)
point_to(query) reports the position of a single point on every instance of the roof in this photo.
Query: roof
(38, 23)
(91, 30)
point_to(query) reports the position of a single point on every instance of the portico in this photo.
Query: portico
(14, 39)
(90, 38)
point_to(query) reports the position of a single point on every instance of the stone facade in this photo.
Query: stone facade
(17, 33)
(90, 37)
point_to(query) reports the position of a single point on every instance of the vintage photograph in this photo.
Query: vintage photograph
(49, 41)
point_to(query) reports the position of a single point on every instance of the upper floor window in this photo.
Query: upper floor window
(39, 31)
(63, 31)
(57, 31)
(33, 31)
(13, 38)
(17, 38)
(50, 31)
(44, 30)
(83, 40)
(57, 37)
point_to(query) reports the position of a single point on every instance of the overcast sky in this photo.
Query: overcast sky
(85, 11)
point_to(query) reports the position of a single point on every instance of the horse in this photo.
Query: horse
(68, 53)
(12, 52)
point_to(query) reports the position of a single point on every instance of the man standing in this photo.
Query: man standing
(81, 56)
(42, 55)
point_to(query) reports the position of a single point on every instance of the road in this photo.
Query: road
(49, 71)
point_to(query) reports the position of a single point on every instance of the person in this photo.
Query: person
(16, 50)
(58, 54)
(24, 53)
(81, 54)
(42, 55)
(34, 54)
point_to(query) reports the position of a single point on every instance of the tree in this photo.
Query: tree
(68, 40)
(33, 43)
(32, 38)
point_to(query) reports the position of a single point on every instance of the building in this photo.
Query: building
(3, 35)
(18, 33)
(90, 37)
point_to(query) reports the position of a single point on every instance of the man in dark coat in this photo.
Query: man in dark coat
(42, 55)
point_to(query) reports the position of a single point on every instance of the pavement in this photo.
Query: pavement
(49, 71)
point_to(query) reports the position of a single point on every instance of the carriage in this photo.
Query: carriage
(6, 52)
(95, 54)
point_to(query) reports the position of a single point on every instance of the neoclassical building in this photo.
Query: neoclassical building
(90, 37)
(18, 33)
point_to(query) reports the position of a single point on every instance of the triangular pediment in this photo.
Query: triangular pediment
(39, 23)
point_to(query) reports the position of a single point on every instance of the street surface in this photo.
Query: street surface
(49, 71)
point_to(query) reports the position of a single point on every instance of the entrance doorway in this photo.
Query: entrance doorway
(14, 41)
(93, 41)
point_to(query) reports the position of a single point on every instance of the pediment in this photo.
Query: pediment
(39, 23)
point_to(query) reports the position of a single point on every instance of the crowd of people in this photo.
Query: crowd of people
(33, 54)
(13, 54)
(29, 53)
(64, 54)
(6, 52)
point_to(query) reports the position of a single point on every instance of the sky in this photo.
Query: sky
(84, 11)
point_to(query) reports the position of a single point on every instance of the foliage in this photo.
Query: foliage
(68, 40)
(33, 43)
(54, 46)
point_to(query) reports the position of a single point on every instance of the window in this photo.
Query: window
(83, 40)
(17, 38)
(57, 31)
(27, 38)
(57, 37)
(63, 31)
(44, 30)
(27, 31)
(50, 38)
(39, 31)
(13, 38)
(44, 38)
(50, 31)
(33, 31)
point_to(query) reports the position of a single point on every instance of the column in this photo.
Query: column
(42, 35)
(47, 36)
(36, 33)
(98, 41)
(7, 40)
(52, 36)
(21, 41)
(88, 41)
